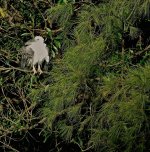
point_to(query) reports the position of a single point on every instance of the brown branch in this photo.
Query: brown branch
(9, 147)
(12, 68)
(57, 30)
(18, 69)
(140, 52)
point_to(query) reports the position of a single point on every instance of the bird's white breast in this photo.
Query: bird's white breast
(40, 52)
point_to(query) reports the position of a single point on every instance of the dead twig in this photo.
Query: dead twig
(8, 146)
(13, 68)
(18, 69)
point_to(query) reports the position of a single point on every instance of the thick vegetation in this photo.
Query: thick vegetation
(95, 95)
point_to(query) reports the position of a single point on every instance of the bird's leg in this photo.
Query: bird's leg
(39, 69)
(34, 70)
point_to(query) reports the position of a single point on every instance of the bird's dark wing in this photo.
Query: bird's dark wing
(27, 55)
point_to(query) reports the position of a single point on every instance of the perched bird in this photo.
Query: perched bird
(35, 52)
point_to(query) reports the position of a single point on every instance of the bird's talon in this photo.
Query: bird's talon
(40, 72)
(34, 72)
(39, 69)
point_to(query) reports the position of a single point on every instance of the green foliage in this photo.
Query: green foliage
(114, 116)
(122, 118)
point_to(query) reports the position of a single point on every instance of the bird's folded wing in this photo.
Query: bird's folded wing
(27, 55)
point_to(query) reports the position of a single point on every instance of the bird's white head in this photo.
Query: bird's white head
(39, 39)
